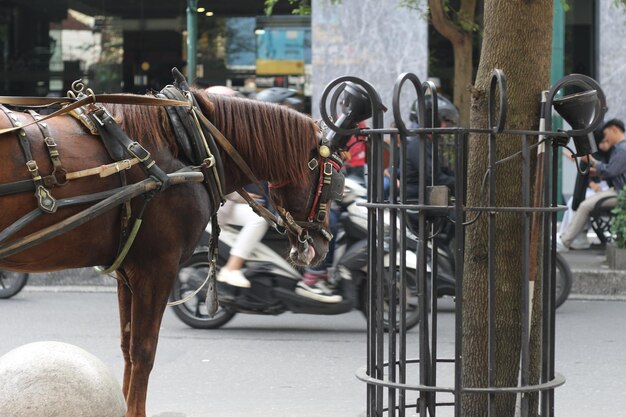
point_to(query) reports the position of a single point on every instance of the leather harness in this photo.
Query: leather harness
(195, 134)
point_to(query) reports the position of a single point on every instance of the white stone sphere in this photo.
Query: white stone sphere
(53, 379)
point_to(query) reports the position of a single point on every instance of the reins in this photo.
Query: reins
(75, 103)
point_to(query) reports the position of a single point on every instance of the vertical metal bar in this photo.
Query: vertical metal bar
(371, 287)
(546, 353)
(377, 143)
(422, 260)
(394, 327)
(192, 38)
(525, 279)
(491, 271)
(459, 253)
(403, 249)
(434, 270)
(552, 310)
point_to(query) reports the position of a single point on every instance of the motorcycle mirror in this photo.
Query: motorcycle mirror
(579, 110)
(355, 107)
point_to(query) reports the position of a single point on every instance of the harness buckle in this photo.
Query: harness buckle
(138, 151)
(100, 119)
(32, 167)
(313, 164)
(321, 213)
(52, 146)
(328, 169)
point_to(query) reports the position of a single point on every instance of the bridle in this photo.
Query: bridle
(329, 186)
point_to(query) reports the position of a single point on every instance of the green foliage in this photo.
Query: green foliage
(619, 220)
(303, 6)
(453, 14)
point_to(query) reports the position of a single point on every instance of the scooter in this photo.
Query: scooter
(274, 279)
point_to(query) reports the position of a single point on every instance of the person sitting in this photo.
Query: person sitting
(614, 171)
(236, 211)
(594, 185)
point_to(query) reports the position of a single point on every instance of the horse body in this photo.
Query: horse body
(173, 220)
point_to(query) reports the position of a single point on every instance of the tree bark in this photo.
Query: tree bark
(461, 40)
(517, 39)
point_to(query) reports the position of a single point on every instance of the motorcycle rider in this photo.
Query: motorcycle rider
(448, 115)
(236, 211)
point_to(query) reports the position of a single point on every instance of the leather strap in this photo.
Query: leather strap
(44, 198)
(58, 172)
(73, 103)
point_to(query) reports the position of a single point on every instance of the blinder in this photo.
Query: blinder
(330, 182)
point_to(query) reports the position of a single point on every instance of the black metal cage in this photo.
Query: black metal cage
(400, 385)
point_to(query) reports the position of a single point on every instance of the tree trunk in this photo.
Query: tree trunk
(461, 41)
(463, 72)
(517, 39)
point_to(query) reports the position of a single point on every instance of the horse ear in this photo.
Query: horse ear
(180, 81)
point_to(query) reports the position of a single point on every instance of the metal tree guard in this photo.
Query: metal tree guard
(389, 373)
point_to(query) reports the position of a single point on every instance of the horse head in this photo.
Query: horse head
(308, 204)
(285, 148)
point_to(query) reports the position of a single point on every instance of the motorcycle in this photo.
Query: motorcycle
(11, 283)
(274, 279)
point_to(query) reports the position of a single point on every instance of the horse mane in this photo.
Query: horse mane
(146, 125)
(279, 138)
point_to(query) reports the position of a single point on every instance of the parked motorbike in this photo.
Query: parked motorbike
(11, 283)
(274, 279)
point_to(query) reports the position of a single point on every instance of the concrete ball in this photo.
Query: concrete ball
(54, 379)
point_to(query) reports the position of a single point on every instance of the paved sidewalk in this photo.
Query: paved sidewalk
(592, 276)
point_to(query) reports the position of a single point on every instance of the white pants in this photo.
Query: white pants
(569, 213)
(582, 215)
(254, 227)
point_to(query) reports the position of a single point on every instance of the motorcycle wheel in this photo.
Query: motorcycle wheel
(193, 313)
(563, 280)
(412, 313)
(11, 283)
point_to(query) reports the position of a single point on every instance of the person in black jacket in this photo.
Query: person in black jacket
(448, 116)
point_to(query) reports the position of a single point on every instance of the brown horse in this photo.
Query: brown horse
(276, 142)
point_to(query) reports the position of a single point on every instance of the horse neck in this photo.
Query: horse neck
(274, 142)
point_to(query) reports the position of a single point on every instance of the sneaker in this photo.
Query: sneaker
(581, 242)
(235, 277)
(318, 292)
(560, 247)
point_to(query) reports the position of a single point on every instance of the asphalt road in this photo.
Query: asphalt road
(294, 365)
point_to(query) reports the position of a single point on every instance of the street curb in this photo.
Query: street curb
(591, 282)
(71, 288)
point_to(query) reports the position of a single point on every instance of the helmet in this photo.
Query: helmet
(221, 90)
(281, 95)
(445, 108)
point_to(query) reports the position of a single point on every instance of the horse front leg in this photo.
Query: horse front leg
(148, 302)
(124, 303)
